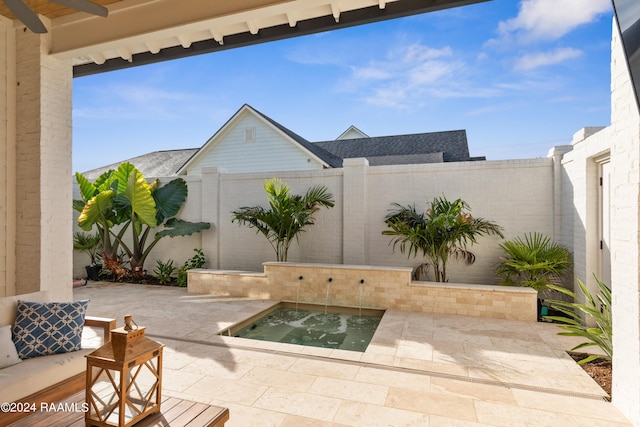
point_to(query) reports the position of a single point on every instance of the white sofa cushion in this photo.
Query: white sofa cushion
(8, 353)
(33, 375)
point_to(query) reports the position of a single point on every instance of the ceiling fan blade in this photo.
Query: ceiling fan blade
(26, 15)
(84, 6)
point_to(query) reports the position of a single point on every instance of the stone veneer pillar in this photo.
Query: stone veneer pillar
(7, 158)
(43, 225)
(354, 211)
(211, 213)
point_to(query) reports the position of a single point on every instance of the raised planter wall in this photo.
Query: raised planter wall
(381, 288)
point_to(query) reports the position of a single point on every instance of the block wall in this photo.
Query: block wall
(516, 194)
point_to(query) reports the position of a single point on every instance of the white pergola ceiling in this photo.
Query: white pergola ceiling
(145, 29)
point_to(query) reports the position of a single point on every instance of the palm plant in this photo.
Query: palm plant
(600, 311)
(445, 229)
(534, 261)
(88, 243)
(287, 216)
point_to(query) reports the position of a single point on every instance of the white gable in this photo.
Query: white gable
(249, 143)
(352, 133)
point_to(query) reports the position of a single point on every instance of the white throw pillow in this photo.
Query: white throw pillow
(8, 353)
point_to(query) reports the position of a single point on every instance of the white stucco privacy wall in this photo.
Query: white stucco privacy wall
(517, 194)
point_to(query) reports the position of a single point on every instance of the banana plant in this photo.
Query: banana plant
(123, 198)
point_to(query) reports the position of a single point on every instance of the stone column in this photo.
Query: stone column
(43, 163)
(211, 214)
(7, 158)
(354, 213)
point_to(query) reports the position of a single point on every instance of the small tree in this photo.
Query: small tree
(445, 229)
(287, 216)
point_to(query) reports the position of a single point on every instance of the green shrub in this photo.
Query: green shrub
(445, 229)
(196, 261)
(598, 309)
(163, 271)
(534, 261)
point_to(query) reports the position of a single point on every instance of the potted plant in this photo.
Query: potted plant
(89, 244)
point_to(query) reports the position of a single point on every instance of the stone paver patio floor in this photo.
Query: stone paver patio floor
(419, 370)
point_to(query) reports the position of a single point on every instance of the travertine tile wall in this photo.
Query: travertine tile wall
(367, 287)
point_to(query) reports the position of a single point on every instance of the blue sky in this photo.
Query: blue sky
(519, 76)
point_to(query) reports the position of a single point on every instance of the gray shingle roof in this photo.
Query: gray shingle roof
(433, 147)
(151, 165)
(453, 145)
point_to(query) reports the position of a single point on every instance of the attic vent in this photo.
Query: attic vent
(250, 135)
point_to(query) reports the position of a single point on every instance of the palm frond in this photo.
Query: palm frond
(446, 228)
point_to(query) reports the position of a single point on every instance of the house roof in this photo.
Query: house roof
(432, 147)
(151, 165)
(452, 144)
(328, 157)
(351, 133)
(324, 157)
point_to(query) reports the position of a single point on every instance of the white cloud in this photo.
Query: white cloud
(408, 74)
(543, 59)
(551, 19)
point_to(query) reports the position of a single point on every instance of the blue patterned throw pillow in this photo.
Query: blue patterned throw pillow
(48, 328)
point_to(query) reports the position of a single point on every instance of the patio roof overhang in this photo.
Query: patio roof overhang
(139, 32)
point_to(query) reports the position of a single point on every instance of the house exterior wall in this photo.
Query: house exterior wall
(580, 215)
(270, 151)
(580, 223)
(625, 231)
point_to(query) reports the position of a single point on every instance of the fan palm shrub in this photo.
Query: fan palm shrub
(598, 309)
(87, 243)
(446, 229)
(534, 261)
(287, 215)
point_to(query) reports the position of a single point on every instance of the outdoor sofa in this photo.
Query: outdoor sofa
(46, 378)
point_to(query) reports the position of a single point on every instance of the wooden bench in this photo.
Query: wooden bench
(174, 412)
